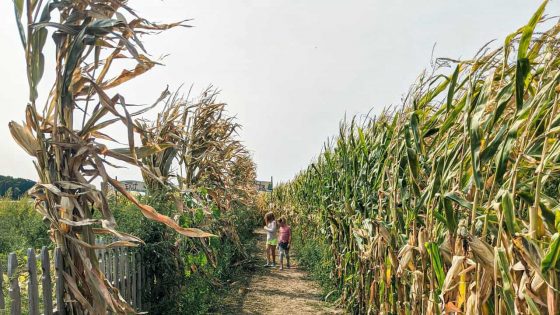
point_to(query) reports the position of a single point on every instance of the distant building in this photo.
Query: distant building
(134, 185)
(263, 185)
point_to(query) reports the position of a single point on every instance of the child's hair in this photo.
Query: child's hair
(282, 220)
(268, 217)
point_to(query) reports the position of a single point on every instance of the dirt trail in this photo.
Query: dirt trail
(272, 291)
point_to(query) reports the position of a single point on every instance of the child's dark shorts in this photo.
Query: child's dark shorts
(283, 246)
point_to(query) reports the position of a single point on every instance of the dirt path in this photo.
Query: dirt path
(272, 291)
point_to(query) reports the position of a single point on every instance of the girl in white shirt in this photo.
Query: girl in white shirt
(271, 239)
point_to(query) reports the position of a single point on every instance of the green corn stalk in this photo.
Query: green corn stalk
(470, 161)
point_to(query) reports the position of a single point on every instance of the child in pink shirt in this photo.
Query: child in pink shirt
(285, 238)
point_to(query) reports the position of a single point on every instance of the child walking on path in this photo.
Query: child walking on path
(271, 240)
(285, 240)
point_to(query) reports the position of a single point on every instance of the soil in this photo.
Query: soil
(265, 290)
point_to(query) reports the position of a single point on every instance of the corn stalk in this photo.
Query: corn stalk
(66, 136)
(199, 151)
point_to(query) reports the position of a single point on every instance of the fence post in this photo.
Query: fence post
(124, 290)
(138, 271)
(133, 278)
(32, 284)
(129, 275)
(108, 265)
(115, 271)
(145, 284)
(14, 293)
(2, 303)
(61, 308)
(122, 278)
(46, 281)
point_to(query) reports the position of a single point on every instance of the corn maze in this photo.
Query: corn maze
(446, 204)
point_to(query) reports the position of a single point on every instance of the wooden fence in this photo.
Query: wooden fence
(29, 290)
(124, 269)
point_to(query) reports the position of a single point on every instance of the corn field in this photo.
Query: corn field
(97, 49)
(450, 203)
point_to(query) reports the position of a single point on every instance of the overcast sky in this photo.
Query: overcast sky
(289, 69)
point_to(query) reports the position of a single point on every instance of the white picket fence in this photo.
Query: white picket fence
(45, 286)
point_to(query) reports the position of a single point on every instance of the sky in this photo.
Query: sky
(289, 70)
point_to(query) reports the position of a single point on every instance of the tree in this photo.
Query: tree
(14, 187)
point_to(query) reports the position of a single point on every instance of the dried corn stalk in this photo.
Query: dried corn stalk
(66, 137)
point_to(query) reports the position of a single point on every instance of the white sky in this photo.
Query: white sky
(289, 69)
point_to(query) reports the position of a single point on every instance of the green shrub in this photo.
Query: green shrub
(21, 227)
(317, 258)
(182, 279)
